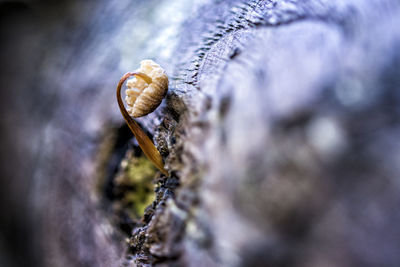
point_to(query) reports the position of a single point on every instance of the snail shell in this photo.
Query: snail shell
(143, 95)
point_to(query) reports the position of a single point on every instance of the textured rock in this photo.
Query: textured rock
(291, 107)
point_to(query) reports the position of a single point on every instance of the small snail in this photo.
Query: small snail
(144, 94)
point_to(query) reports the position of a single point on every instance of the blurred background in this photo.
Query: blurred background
(60, 62)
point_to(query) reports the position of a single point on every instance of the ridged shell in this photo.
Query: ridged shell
(143, 98)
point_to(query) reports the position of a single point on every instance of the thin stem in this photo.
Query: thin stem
(144, 141)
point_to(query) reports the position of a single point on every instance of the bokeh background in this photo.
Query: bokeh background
(60, 62)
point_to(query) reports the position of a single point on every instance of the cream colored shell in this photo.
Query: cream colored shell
(143, 98)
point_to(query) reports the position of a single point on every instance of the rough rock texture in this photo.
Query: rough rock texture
(290, 151)
(280, 131)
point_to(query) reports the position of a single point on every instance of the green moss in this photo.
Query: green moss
(136, 185)
(140, 170)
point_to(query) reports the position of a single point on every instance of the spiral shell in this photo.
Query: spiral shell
(144, 96)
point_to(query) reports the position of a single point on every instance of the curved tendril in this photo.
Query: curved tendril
(144, 141)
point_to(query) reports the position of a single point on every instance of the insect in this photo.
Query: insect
(144, 94)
